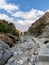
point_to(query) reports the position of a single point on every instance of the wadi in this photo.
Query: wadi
(25, 48)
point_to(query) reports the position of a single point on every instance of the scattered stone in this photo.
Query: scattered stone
(25, 53)
(5, 53)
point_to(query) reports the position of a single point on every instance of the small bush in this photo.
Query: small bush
(8, 28)
(45, 42)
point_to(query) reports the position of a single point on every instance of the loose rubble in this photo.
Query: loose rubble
(24, 53)
(5, 53)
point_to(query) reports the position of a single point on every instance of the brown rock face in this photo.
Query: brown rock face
(44, 20)
(9, 39)
(4, 21)
(8, 33)
(6, 39)
(38, 27)
(15, 38)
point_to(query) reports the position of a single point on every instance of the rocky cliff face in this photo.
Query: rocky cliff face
(8, 33)
(41, 26)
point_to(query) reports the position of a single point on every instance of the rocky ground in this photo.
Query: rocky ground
(25, 52)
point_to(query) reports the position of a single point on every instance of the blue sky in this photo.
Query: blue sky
(23, 12)
(26, 5)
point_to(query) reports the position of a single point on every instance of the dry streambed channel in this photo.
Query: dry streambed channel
(26, 52)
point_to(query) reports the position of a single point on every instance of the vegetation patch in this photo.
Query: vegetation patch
(8, 28)
(38, 30)
(47, 41)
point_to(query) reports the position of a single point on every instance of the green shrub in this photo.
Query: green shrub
(8, 28)
(37, 30)
(45, 42)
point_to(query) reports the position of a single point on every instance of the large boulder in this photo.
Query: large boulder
(14, 37)
(6, 39)
(5, 53)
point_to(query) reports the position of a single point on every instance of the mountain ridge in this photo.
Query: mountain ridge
(39, 26)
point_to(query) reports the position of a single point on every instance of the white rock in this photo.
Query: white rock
(20, 62)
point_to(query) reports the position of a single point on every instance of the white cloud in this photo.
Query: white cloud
(39, 12)
(47, 10)
(32, 14)
(5, 17)
(2, 2)
(23, 25)
(8, 7)
(29, 17)
(21, 22)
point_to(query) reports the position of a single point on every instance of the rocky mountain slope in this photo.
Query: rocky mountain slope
(41, 26)
(8, 33)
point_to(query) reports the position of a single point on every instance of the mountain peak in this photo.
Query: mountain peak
(47, 13)
(39, 26)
